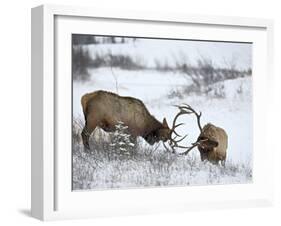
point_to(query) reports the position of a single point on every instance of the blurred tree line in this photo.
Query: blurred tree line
(80, 39)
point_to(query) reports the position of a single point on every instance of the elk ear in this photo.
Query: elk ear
(165, 124)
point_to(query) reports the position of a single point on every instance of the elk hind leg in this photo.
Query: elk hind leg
(86, 133)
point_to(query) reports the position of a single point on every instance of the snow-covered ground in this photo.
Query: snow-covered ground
(233, 112)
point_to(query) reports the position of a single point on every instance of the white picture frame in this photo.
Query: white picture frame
(47, 184)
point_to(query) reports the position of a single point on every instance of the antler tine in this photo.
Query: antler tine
(181, 139)
(178, 125)
(193, 146)
(174, 127)
(173, 145)
(189, 149)
(166, 147)
(176, 117)
(182, 112)
(185, 107)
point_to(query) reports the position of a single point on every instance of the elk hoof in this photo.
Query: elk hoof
(87, 149)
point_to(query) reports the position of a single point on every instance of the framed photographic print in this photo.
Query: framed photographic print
(141, 113)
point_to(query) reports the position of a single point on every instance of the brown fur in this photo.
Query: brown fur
(214, 147)
(105, 109)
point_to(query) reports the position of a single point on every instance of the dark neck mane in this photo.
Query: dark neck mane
(153, 125)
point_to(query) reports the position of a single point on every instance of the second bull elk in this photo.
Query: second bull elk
(105, 109)
(212, 140)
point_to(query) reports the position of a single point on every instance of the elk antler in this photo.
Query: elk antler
(184, 109)
(172, 141)
(191, 147)
(189, 110)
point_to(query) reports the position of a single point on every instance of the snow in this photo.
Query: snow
(233, 112)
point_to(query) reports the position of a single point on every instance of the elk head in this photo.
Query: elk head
(162, 133)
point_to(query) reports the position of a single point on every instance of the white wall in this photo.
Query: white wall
(15, 110)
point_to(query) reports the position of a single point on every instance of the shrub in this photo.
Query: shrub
(122, 145)
(175, 93)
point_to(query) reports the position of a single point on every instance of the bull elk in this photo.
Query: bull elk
(105, 109)
(211, 142)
